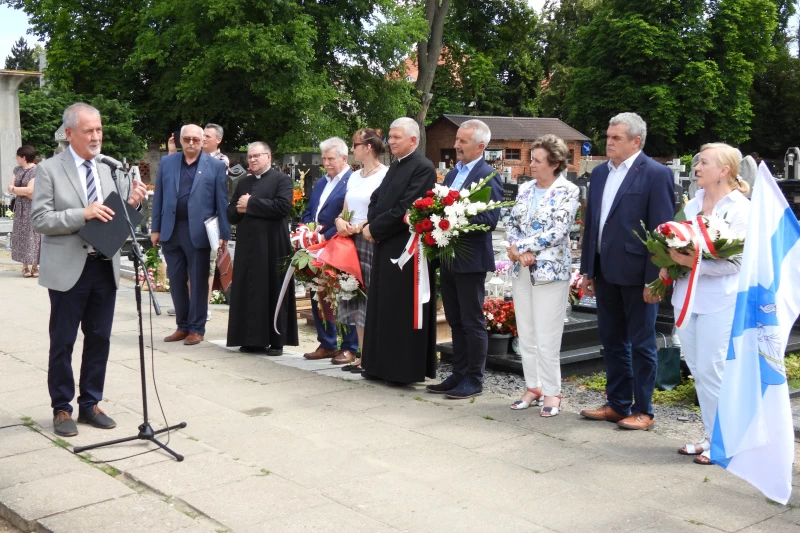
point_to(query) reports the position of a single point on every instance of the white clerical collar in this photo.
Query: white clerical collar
(408, 154)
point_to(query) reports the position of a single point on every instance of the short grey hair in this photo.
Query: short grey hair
(264, 146)
(71, 114)
(635, 124)
(480, 131)
(191, 126)
(216, 127)
(334, 143)
(409, 125)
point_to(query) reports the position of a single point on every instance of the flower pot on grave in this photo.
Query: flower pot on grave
(498, 343)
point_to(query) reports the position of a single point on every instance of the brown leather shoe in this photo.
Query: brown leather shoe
(179, 335)
(636, 421)
(320, 353)
(192, 339)
(343, 357)
(604, 413)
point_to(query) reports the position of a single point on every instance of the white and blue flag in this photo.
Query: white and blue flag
(753, 434)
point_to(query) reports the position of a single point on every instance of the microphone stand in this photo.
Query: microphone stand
(146, 431)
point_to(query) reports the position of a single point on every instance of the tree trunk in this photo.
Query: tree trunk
(428, 52)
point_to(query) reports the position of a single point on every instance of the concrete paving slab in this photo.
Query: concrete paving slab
(34, 379)
(466, 517)
(702, 502)
(471, 431)
(39, 464)
(233, 504)
(539, 453)
(132, 514)
(20, 439)
(408, 412)
(198, 472)
(367, 437)
(10, 365)
(27, 503)
(329, 518)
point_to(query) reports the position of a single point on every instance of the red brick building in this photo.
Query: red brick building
(510, 144)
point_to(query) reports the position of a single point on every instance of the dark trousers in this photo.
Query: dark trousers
(326, 332)
(627, 330)
(462, 296)
(185, 263)
(90, 304)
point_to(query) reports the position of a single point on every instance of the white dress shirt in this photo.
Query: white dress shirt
(82, 175)
(718, 280)
(616, 176)
(359, 192)
(332, 183)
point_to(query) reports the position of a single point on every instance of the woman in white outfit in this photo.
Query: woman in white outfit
(367, 148)
(538, 236)
(704, 341)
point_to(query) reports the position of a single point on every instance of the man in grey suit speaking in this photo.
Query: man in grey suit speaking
(82, 283)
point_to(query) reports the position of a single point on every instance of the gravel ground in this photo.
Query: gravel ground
(674, 422)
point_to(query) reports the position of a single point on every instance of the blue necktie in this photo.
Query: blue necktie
(91, 189)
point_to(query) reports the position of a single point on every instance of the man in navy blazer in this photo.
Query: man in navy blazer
(190, 189)
(616, 267)
(326, 203)
(462, 283)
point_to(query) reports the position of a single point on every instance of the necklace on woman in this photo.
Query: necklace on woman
(365, 172)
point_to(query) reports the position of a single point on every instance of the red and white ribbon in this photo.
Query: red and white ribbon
(422, 289)
(313, 251)
(303, 237)
(694, 232)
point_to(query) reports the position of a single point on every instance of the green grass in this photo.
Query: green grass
(61, 442)
(683, 395)
(487, 417)
(110, 470)
(265, 472)
(27, 421)
(596, 382)
(792, 363)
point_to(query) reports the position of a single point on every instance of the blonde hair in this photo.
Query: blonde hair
(728, 156)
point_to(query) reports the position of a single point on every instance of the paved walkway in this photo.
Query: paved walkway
(285, 445)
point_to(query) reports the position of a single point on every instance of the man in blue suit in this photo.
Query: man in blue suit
(462, 283)
(190, 189)
(326, 203)
(616, 268)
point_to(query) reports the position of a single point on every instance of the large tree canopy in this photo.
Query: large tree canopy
(289, 72)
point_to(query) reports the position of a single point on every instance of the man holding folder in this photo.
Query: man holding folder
(82, 282)
(190, 189)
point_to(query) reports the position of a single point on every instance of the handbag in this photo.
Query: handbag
(223, 276)
(12, 204)
(668, 370)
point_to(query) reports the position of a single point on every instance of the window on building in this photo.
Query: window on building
(513, 153)
(571, 156)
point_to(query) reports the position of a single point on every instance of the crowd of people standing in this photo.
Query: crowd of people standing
(58, 197)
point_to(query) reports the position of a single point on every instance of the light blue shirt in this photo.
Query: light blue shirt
(463, 173)
(616, 175)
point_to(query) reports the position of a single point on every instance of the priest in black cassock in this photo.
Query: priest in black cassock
(393, 350)
(259, 207)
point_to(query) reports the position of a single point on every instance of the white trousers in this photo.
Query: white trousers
(704, 344)
(540, 312)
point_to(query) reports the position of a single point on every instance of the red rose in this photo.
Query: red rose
(429, 240)
(427, 225)
(429, 202)
(444, 224)
(454, 193)
(419, 204)
(419, 227)
(448, 200)
(667, 281)
(429, 194)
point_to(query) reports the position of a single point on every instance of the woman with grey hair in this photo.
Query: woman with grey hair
(538, 236)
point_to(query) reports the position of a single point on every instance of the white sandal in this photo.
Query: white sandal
(522, 404)
(697, 448)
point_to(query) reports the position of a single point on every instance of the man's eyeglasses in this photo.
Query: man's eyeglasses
(256, 156)
(190, 140)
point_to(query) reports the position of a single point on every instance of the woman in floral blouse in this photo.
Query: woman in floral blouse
(538, 236)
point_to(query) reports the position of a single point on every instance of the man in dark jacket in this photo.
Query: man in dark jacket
(462, 283)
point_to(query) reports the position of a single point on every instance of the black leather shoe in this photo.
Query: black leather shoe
(450, 383)
(251, 349)
(64, 425)
(466, 389)
(367, 375)
(97, 418)
(274, 352)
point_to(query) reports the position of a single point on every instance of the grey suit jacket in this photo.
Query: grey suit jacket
(59, 199)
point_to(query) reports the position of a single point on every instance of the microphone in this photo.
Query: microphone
(113, 163)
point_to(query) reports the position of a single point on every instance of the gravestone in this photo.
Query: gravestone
(676, 167)
(10, 135)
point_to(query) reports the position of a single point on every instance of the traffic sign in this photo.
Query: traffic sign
(586, 149)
